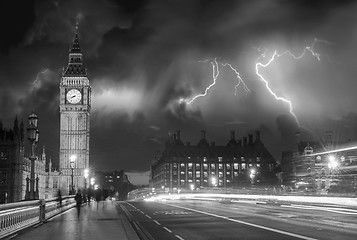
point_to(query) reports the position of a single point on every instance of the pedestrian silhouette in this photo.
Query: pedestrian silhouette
(98, 196)
(59, 197)
(78, 198)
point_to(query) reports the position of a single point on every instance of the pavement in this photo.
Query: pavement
(103, 220)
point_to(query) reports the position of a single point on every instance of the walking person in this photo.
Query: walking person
(78, 198)
(59, 197)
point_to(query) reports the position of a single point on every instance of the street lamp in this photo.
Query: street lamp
(214, 181)
(72, 160)
(332, 162)
(33, 135)
(86, 174)
(252, 175)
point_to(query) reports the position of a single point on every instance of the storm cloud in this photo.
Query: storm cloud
(144, 56)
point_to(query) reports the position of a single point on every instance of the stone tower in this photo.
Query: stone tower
(75, 105)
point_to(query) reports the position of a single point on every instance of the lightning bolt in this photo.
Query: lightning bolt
(259, 65)
(38, 75)
(240, 80)
(215, 73)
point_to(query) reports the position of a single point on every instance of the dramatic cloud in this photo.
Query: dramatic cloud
(144, 56)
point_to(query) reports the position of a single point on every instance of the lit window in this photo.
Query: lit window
(190, 180)
(198, 165)
(220, 166)
(213, 166)
(220, 159)
(205, 166)
(258, 164)
(182, 173)
(205, 174)
(189, 165)
(258, 159)
(243, 166)
(242, 159)
(228, 181)
(235, 166)
(228, 166)
(182, 165)
(198, 174)
(235, 174)
(220, 174)
(204, 159)
(228, 173)
(190, 174)
(182, 180)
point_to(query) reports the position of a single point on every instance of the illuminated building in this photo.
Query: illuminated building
(75, 105)
(312, 166)
(183, 166)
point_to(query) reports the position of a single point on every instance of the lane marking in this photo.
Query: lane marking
(179, 237)
(157, 222)
(167, 229)
(148, 216)
(247, 223)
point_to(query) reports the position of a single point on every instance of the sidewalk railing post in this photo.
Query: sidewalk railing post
(42, 216)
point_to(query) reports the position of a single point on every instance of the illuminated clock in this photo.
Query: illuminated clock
(74, 96)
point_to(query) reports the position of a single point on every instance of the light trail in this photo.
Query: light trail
(333, 151)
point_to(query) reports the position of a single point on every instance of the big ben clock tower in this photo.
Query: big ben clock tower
(75, 105)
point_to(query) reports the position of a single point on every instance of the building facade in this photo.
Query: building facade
(75, 105)
(114, 183)
(15, 167)
(320, 168)
(239, 163)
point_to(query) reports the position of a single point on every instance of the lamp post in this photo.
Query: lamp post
(86, 174)
(72, 160)
(33, 135)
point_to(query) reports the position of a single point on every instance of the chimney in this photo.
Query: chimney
(203, 134)
(257, 135)
(250, 136)
(244, 141)
(233, 135)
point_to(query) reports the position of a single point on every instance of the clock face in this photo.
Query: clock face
(74, 96)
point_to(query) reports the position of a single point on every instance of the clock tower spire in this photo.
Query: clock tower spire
(75, 105)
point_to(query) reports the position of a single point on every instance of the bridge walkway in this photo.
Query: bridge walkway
(103, 220)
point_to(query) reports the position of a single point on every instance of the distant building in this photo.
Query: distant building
(115, 183)
(239, 163)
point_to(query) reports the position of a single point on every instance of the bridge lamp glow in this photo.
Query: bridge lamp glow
(92, 181)
(332, 163)
(214, 181)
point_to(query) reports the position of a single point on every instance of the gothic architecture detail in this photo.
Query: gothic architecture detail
(75, 105)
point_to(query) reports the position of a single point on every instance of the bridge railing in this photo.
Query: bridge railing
(17, 216)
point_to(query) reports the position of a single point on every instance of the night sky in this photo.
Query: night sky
(144, 56)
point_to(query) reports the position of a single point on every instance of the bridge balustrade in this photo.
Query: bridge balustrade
(17, 216)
